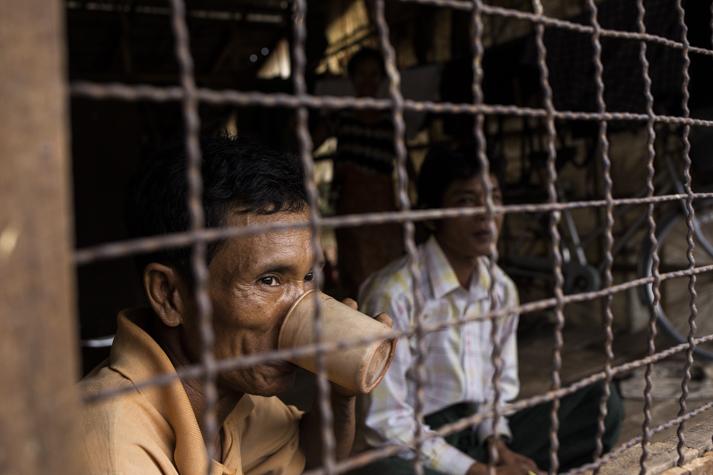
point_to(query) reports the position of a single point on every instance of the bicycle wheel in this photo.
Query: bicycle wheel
(674, 310)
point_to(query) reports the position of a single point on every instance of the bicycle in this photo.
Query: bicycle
(581, 275)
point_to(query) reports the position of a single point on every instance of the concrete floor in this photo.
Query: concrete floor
(583, 356)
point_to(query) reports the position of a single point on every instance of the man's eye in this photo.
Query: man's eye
(270, 280)
(309, 277)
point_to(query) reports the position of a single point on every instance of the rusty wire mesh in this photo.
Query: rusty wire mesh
(198, 236)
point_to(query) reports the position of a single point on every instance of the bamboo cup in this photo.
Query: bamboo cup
(359, 368)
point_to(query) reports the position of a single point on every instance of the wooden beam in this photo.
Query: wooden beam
(38, 348)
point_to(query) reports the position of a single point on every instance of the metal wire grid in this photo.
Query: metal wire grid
(199, 236)
(651, 155)
(197, 221)
(404, 202)
(305, 144)
(554, 234)
(603, 145)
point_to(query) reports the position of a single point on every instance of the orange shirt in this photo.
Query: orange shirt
(154, 430)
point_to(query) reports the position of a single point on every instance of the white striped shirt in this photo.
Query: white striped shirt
(458, 358)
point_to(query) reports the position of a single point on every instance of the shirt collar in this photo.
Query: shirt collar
(443, 279)
(138, 357)
(440, 273)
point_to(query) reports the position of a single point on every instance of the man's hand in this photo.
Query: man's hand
(343, 411)
(508, 458)
(382, 317)
(509, 463)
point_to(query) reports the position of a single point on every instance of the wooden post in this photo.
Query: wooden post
(39, 400)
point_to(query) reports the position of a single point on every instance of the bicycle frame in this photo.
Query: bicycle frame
(573, 244)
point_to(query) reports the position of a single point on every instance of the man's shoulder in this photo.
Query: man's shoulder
(124, 428)
(390, 290)
(500, 275)
(503, 279)
(129, 407)
(394, 279)
(103, 377)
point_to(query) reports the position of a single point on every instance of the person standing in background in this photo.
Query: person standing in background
(364, 177)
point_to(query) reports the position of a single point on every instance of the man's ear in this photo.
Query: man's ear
(163, 288)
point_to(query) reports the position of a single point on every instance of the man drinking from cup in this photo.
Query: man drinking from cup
(252, 282)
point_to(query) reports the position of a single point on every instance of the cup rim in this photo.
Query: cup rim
(392, 352)
(362, 381)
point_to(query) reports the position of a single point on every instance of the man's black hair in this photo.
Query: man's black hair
(363, 55)
(442, 166)
(236, 176)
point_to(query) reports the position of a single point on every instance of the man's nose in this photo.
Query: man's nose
(298, 290)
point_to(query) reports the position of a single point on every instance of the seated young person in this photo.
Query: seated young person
(253, 281)
(453, 265)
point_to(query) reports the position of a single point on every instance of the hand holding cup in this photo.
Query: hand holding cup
(357, 369)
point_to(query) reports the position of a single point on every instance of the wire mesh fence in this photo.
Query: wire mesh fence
(198, 236)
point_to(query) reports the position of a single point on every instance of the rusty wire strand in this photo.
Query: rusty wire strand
(603, 146)
(554, 235)
(180, 239)
(476, 25)
(656, 285)
(191, 119)
(690, 217)
(404, 202)
(305, 152)
(139, 92)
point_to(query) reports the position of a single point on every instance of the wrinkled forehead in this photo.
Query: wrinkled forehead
(279, 219)
(289, 243)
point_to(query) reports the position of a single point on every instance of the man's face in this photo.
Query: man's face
(253, 282)
(470, 236)
(367, 78)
